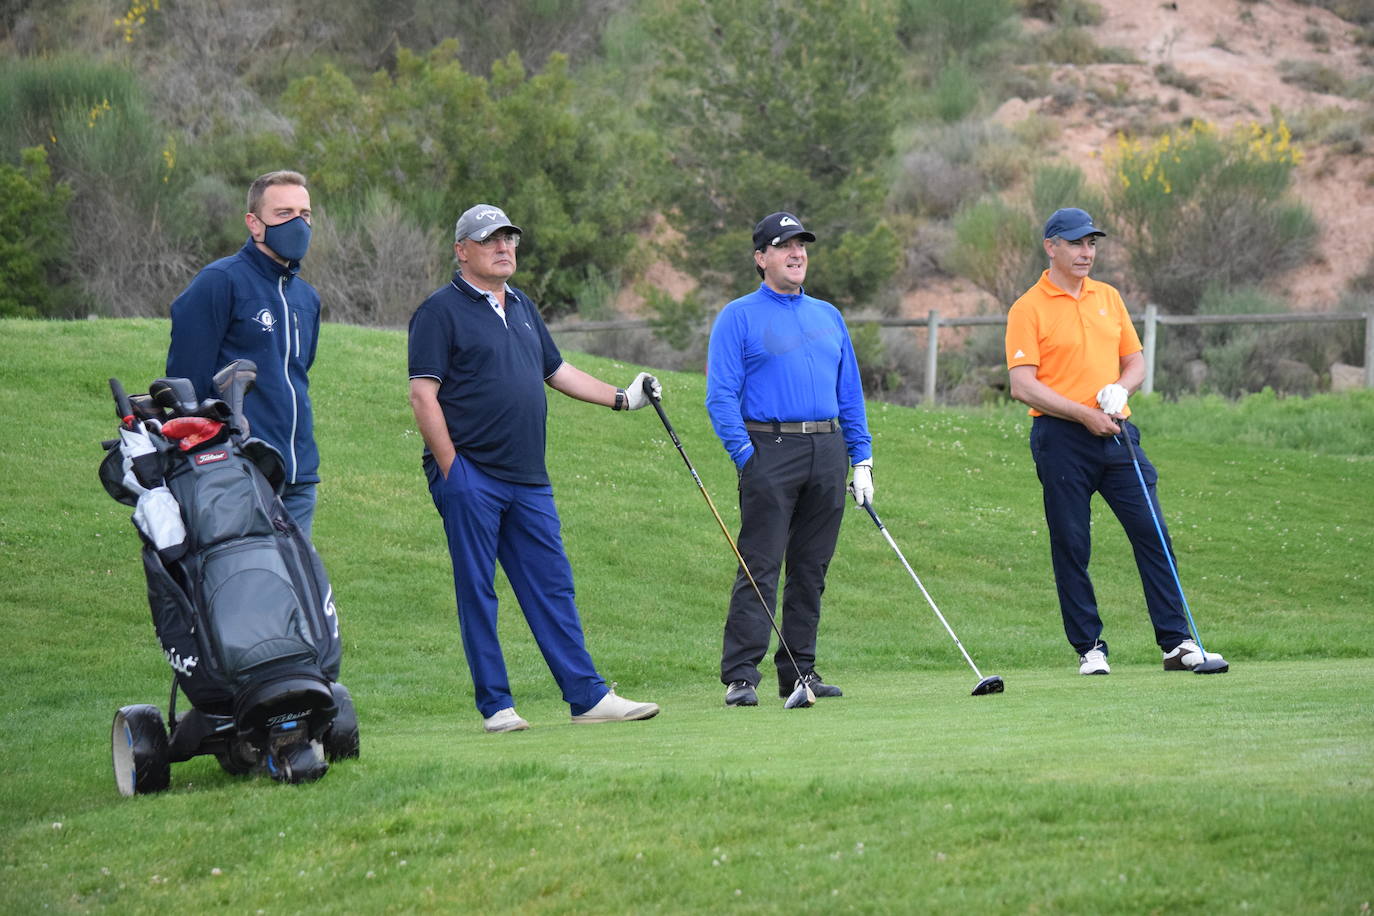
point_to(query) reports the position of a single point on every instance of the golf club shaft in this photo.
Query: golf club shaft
(1163, 542)
(948, 629)
(672, 434)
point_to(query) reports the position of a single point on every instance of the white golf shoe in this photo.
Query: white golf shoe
(505, 720)
(612, 708)
(1094, 661)
(1184, 657)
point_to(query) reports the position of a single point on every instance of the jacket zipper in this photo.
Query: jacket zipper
(292, 330)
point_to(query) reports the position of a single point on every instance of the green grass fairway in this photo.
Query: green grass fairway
(1141, 792)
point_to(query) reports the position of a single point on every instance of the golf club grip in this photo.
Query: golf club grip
(873, 515)
(121, 398)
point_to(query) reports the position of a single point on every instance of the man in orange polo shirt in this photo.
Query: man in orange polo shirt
(1074, 358)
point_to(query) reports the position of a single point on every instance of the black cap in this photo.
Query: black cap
(776, 228)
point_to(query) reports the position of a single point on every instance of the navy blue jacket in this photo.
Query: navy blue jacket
(247, 306)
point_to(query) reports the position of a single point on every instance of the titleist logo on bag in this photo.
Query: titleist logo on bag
(210, 457)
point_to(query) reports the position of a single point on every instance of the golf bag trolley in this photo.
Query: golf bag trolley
(239, 598)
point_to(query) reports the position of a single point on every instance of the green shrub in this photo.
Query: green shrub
(1198, 209)
(763, 112)
(33, 237)
(996, 248)
(437, 139)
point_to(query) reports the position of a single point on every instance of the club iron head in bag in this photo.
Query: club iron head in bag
(801, 696)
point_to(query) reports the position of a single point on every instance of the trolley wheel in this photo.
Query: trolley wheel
(138, 747)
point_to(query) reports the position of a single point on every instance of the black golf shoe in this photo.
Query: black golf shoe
(812, 680)
(741, 693)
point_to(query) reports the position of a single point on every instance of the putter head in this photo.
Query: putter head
(1212, 664)
(801, 697)
(990, 684)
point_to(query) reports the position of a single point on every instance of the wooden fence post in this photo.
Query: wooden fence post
(932, 354)
(1151, 341)
(1369, 348)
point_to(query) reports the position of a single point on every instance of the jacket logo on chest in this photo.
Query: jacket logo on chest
(266, 320)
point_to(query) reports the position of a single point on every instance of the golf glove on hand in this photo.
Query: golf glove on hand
(635, 397)
(862, 485)
(1112, 398)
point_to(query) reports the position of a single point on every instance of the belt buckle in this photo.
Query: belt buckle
(811, 426)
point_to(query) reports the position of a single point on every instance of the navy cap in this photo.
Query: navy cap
(1070, 224)
(776, 228)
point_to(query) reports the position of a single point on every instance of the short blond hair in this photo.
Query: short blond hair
(263, 182)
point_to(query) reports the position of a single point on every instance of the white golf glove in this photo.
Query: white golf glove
(635, 397)
(862, 484)
(1112, 398)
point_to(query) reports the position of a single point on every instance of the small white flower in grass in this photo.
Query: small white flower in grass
(639, 855)
(940, 857)
(216, 872)
(403, 863)
(1121, 878)
(738, 892)
(715, 862)
(104, 871)
(371, 874)
(281, 835)
(57, 825)
(834, 892)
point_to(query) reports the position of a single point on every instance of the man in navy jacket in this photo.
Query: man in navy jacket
(252, 305)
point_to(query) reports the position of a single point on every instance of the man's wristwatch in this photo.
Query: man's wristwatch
(619, 399)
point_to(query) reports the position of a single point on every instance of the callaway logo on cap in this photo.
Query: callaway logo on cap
(777, 228)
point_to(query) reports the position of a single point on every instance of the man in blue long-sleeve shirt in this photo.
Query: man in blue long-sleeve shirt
(785, 398)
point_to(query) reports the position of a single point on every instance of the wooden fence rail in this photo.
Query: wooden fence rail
(1150, 322)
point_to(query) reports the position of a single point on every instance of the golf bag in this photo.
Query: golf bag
(240, 601)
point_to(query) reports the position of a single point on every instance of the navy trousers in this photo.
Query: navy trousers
(791, 502)
(1072, 464)
(487, 520)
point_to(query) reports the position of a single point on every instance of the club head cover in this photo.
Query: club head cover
(192, 431)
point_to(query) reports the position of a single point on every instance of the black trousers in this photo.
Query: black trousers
(791, 500)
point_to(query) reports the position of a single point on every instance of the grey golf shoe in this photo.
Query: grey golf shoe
(818, 687)
(741, 693)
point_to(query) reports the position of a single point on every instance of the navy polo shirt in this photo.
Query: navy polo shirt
(491, 377)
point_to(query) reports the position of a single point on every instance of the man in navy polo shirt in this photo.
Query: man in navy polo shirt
(784, 395)
(480, 357)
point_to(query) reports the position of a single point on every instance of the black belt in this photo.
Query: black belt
(802, 426)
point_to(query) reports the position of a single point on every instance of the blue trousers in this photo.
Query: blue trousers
(1072, 464)
(486, 520)
(299, 500)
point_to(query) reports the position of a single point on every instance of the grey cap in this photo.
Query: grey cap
(480, 221)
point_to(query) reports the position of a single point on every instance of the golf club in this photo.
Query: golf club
(233, 382)
(176, 394)
(985, 685)
(1214, 664)
(801, 696)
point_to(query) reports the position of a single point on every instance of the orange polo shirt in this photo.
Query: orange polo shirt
(1075, 345)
